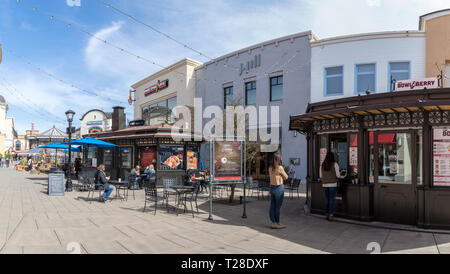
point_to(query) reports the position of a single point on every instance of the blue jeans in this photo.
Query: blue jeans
(276, 201)
(108, 192)
(330, 195)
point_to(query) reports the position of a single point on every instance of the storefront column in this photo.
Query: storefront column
(309, 165)
(423, 218)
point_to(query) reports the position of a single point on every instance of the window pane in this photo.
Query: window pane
(171, 103)
(400, 76)
(400, 66)
(366, 82)
(334, 85)
(250, 93)
(370, 68)
(334, 71)
(171, 158)
(280, 80)
(277, 93)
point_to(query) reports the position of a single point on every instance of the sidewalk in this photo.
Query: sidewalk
(33, 222)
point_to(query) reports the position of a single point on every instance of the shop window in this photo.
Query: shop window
(126, 156)
(108, 157)
(228, 97)
(398, 71)
(171, 158)
(250, 93)
(365, 78)
(353, 158)
(276, 88)
(441, 157)
(334, 81)
(192, 158)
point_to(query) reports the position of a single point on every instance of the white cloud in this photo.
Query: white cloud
(373, 3)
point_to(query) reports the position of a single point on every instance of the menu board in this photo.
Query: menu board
(148, 157)
(441, 157)
(126, 158)
(227, 161)
(353, 151)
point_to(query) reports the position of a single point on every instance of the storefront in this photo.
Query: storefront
(393, 150)
(148, 145)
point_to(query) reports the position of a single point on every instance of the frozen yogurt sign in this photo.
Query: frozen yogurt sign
(427, 83)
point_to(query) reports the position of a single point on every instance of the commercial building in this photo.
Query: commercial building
(392, 147)
(156, 95)
(94, 121)
(274, 73)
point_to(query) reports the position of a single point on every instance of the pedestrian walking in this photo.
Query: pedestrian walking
(277, 178)
(329, 174)
(291, 171)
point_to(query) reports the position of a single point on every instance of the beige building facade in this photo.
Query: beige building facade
(156, 95)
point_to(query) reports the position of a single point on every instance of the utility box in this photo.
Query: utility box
(56, 184)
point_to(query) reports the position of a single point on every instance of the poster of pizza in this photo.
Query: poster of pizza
(227, 161)
(441, 157)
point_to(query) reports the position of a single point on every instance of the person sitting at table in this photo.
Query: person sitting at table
(136, 174)
(150, 170)
(101, 178)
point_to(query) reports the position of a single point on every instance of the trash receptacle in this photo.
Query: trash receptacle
(56, 184)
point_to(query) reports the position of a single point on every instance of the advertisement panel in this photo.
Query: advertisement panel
(414, 84)
(148, 157)
(228, 161)
(441, 157)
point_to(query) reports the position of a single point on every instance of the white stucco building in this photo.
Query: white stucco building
(349, 65)
(94, 121)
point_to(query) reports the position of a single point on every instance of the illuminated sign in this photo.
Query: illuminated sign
(157, 87)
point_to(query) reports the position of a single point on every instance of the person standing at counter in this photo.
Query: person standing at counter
(329, 174)
(277, 177)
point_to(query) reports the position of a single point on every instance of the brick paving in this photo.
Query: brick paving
(32, 222)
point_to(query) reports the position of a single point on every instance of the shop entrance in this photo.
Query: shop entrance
(339, 146)
(392, 172)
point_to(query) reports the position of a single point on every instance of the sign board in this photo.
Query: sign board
(415, 84)
(353, 151)
(228, 161)
(137, 123)
(441, 157)
(95, 123)
(56, 184)
(148, 157)
(157, 87)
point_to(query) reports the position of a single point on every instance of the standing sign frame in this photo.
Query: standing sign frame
(228, 181)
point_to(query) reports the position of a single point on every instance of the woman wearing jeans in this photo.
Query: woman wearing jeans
(329, 173)
(277, 176)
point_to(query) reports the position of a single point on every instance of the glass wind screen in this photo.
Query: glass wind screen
(394, 158)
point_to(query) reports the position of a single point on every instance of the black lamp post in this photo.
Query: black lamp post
(69, 115)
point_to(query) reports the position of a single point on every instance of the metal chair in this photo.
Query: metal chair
(293, 185)
(251, 186)
(168, 183)
(191, 197)
(263, 185)
(151, 194)
(93, 187)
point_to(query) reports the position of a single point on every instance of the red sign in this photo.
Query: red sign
(148, 157)
(157, 87)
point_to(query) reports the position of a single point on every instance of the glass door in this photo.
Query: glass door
(393, 162)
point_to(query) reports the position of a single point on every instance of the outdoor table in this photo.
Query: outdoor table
(182, 190)
(118, 186)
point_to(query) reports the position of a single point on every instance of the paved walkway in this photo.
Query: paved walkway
(33, 222)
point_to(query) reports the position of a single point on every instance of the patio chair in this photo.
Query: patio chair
(168, 182)
(151, 194)
(252, 186)
(93, 187)
(191, 197)
(83, 183)
(263, 185)
(294, 185)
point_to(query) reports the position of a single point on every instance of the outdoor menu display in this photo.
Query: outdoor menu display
(126, 158)
(108, 157)
(227, 161)
(171, 157)
(441, 157)
(148, 157)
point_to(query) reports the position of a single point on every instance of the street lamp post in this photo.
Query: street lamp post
(69, 115)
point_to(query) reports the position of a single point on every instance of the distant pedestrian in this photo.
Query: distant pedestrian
(291, 172)
(329, 174)
(277, 177)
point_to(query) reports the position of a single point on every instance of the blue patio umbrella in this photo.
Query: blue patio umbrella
(91, 142)
(55, 146)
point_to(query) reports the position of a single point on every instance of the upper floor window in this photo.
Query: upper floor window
(334, 80)
(398, 71)
(160, 112)
(276, 88)
(18, 145)
(228, 96)
(250, 93)
(365, 78)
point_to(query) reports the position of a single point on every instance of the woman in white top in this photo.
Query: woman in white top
(329, 173)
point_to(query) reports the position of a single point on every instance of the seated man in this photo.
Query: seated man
(149, 171)
(135, 173)
(101, 178)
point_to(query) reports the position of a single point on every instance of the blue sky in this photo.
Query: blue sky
(213, 27)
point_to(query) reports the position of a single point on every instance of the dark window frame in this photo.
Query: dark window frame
(247, 90)
(225, 89)
(277, 84)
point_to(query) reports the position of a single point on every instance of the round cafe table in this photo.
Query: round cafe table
(119, 185)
